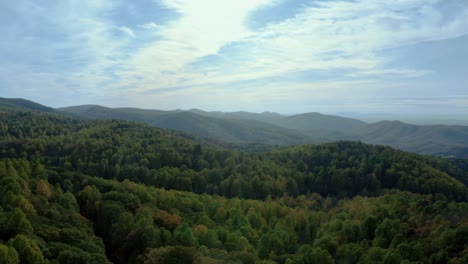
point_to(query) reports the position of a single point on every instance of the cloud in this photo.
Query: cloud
(150, 26)
(128, 31)
(201, 29)
(68, 41)
(353, 31)
(189, 47)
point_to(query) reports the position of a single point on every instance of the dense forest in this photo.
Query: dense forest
(76, 191)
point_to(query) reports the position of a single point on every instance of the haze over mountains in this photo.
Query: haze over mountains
(275, 129)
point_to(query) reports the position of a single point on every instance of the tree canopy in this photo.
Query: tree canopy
(76, 191)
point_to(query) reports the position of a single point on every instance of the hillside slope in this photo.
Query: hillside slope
(424, 139)
(316, 122)
(266, 117)
(106, 113)
(24, 104)
(92, 191)
(244, 130)
(115, 149)
(241, 131)
(233, 130)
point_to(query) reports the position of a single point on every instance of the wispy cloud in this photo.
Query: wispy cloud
(171, 49)
(203, 28)
(150, 26)
(127, 31)
(325, 35)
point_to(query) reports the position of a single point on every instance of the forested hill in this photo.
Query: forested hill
(233, 130)
(211, 126)
(77, 191)
(120, 150)
(24, 104)
(275, 129)
(425, 139)
(242, 130)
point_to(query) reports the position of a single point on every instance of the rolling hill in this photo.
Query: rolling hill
(267, 117)
(106, 113)
(113, 191)
(233, 130)
(307, 122)
(25, 104)
(206, 124)
(319, 123)
(240, 129)
(275, 129)
(441, 140)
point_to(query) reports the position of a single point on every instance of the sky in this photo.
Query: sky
(403, 57)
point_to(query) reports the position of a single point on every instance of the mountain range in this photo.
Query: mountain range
(272, 129)
(114, 191)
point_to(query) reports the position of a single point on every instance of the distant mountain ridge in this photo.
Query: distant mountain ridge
(317, 122)
(424, 139)
(102, 112)
(268, 128)
(268, 117)
(25, 104)
(216, 125)
(275, 129)
(272, 128)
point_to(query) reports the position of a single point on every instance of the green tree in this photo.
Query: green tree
(386, 231)
(184, 235)
(27, 249)
(307, 254)
(171, 255)
(327, 243)
(393, 257)
(19, 224)
(8, 255)
(90, 198)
